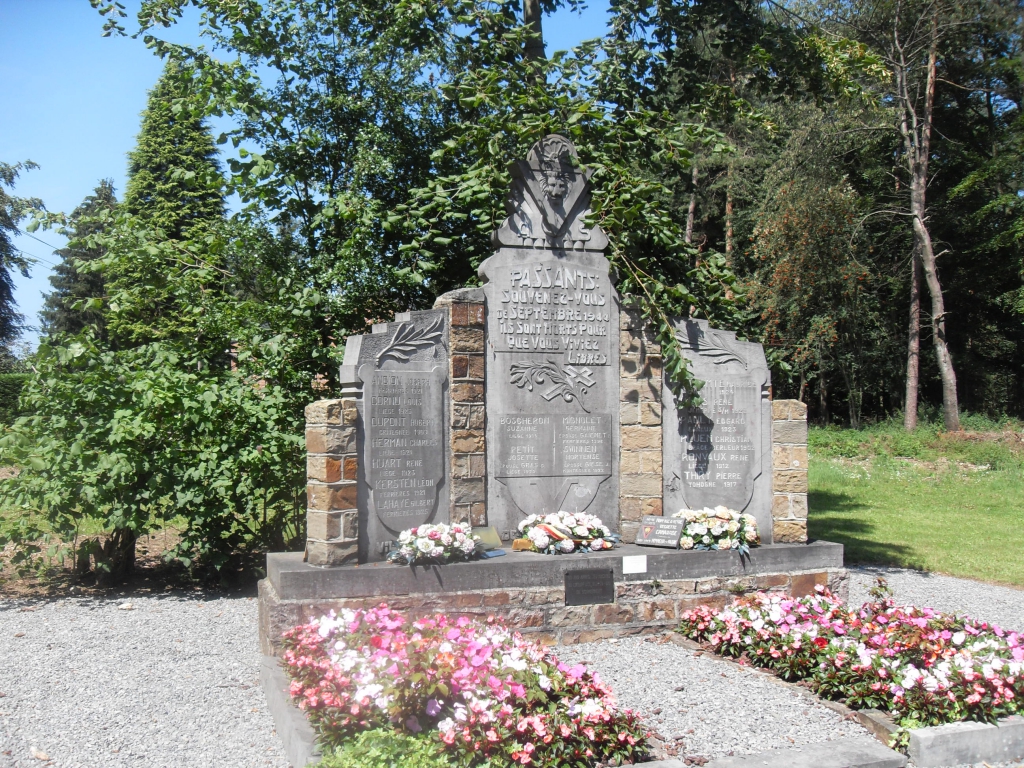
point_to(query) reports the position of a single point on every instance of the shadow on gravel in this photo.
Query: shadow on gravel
(834, 518)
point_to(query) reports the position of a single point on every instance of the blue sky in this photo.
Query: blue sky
(70, 101)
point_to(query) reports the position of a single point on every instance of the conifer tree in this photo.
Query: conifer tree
(72, 285)
(174, 180)
(12, 210)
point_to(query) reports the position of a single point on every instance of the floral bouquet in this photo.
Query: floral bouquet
(718, 528)
(438, 543)
(564, 532)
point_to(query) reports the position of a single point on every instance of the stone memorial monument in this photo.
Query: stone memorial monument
(720, 452)
(533, 394)
(403, 369)
(552, 352)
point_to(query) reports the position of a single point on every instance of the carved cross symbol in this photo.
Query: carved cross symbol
(584, 375)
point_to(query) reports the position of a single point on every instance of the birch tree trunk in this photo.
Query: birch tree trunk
(913, 346)
(916, 133)
(692, 209)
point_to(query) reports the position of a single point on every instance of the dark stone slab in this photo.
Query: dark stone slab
(293, 579)
(552, 373)
(720, 452)
(399, 376)
(590, 586)
(660, 532)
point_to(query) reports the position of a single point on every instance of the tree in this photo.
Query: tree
(174, 181)
(76, 279)
(12, 211)
(175, 190)
(908, 35)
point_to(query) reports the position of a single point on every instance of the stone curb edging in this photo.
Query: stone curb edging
(296, 733)
(968, 743)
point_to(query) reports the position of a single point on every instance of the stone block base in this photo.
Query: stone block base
(528, 589)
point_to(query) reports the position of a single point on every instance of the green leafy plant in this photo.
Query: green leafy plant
(388, 748)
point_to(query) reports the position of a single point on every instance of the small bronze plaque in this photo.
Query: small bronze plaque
(590, 586)
(660, 531)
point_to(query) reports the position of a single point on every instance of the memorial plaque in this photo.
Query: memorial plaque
(404, 445)
(553, 349)
(660, 531)
(720, 451)
(403, 434)
(590, 586)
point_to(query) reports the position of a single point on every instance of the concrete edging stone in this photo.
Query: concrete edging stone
(296, 733)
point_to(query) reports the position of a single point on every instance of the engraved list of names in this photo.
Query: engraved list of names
(719, 449)
(404, 444)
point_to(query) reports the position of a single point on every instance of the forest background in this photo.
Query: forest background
(839, 180)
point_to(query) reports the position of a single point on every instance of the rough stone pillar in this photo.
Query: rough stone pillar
(332, 466)
(467, 407)
(789, 471)
(640, 385)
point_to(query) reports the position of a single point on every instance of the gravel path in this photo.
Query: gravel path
(172, 682)
(713, 707)
(998, 605)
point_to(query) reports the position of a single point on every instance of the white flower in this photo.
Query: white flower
(750, 534)
(958, 638)
(706, 540)
(686, 542)
(367, 692)
(566, 545)
(544, 682)
(697, 530)
(424, 545)
(581, 531)
(539, 538)
(725, 544)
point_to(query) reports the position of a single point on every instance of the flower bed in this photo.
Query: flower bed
(922, 666)
(480, 690)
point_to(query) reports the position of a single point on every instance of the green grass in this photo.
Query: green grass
(932, 501)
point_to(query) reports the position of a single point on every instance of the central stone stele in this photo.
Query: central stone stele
(552, 352)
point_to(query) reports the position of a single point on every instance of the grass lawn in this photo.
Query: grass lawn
(932, 501)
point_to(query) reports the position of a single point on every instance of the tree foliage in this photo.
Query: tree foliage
(71, 306)
(12, 211)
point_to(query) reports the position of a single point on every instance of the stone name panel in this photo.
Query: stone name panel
(720, 451)
(402, 371)
(553, 445)
(404, 443)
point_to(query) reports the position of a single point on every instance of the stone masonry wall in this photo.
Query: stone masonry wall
(789, 471)
(640, 608)
(332, 466)
(640, 479)
(467, 406)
